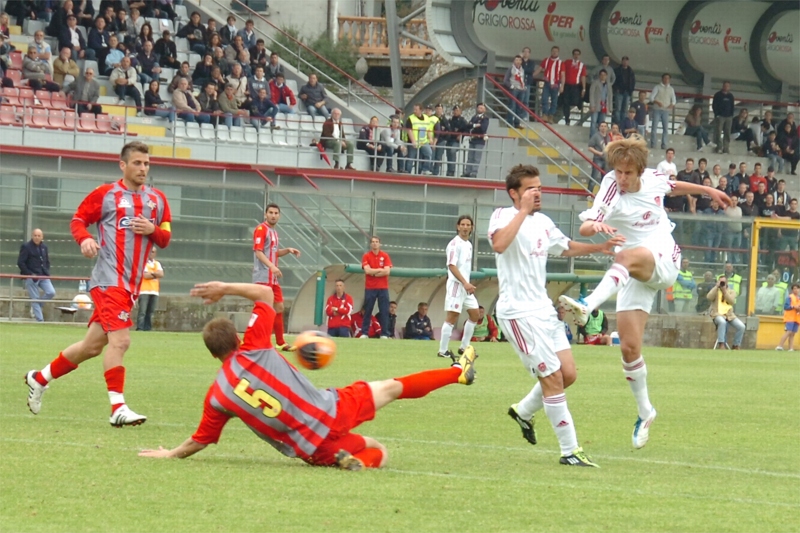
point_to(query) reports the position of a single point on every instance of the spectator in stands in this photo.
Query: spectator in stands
(478, 127)
(694, 127)
(486, 329)
(145, 7)
(229, 31)
(713, 230)
(209, 104)
(65, 69)
(733, 180)
(368, 140)
(110, 17)
(213, 42)
(772, 181)
(195, 33)
(551, 67)
(334, 139)
(70, 37)
(772, 152)
(788, 238)
(723, 107)
(136, 22)
(759, 197)
(257, 82)
(229, 105)
(615, 134)
(124, 79)
(572, 86)
(35, 72)
(668, 167)
(202, 71)
(769, 298)
(60, 19)
(663, 102)
(185, 104)
(392, 141)
(114, 55)
(84, 12)
(703, 287)
(148, 62)
(597, 147)
(418, 325)
(740, 129)
(628, 125)
(164, 9)
(22, 9)
(623, 86)
(259, 55)
(749, 207)
(600, 101)
(237, 46)
(248, 34)
(391, 323)
(34, 260)
(221, 62)
(446, 143)
(675, 204)
(282, 95)
(182, 74)
(239, 82)
(420, 136)
(263, 111)
(116, 5)
(742, 176)
(514, 81)
(338, 308)
(756, 177)
(274, 67)
(166, 51)
(722, 183)
(682, 290)
(43, 51)
(211, 28)
(781, 196)
(788, 120)
(244, 60)
(121, 23)
(642, 111)
(723, 299)
(790, 148)
(528, 67)
(84, 93)
(595, 331)
(716, 174)
(374, 330)
(701, 173)
(217, 79)
(154, 105)
(313, 94)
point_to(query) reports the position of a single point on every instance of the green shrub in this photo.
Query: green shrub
(343, 54)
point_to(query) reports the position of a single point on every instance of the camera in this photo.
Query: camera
(721, 283)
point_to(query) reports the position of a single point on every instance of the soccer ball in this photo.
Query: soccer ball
(82, 301)
(314, 349)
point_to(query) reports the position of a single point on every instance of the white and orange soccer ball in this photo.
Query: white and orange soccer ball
(314, 349)
(82, 301)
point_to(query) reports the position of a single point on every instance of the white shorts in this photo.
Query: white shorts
(536, 340)
(639, 295)
(457, 298)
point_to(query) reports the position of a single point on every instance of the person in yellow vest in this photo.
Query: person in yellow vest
(148, 294)
(783, 287)
(420, 136)
(723, 298)
(596, 329)
(791, 317)
(683, 289)
(734, 280)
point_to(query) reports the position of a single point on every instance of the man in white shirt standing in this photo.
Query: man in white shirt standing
(522, 237)
(460, 293)
(663, 102)
(667, 167)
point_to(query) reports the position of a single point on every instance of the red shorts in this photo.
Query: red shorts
(276, 291)
(355, 407)
(593, 339)
(112, 308)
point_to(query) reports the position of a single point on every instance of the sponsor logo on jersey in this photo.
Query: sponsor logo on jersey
(252, 321)
(124, 203)
(542, 367)
(123, 315)
(658, 201)
(151, 204)
(127, 222)
(647, 215)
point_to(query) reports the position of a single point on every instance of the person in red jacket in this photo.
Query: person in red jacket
(358, 320)
(339, 308)
(282, 95)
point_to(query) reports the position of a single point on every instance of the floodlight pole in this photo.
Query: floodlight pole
(393, 30)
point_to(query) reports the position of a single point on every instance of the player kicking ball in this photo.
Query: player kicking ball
(460, 292)
(522, 237)
(630, 203)
(281, 406)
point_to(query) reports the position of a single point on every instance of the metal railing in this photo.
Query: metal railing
(10, 296)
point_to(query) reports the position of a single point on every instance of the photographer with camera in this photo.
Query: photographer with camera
(722, 299)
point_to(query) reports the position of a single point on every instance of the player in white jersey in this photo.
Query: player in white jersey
(522, 237)
(630, 202)
(460, 292)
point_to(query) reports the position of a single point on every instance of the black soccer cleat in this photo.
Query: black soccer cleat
(577, 458)
(528, 431)
(448, 353)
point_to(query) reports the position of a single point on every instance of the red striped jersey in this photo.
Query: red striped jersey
(573, 71)
(278, 403)
(551, 68)
(265, 239)
(123, 253)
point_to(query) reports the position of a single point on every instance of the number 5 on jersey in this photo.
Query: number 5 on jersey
(272, 407)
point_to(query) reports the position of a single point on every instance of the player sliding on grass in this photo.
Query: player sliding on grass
(522, 237)
(281, 406)
(630, 203)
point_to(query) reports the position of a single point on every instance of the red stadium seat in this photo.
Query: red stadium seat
(26, 97)
(69, 120)
(16, 60)
(108, 124)
(15, 76)
(27, 116)
(87, 122)
(11, 95)
(59, 101)
(44, 98)
(8, 115)
(57, 119)
(41, 117)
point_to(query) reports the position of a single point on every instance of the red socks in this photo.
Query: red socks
(371, 457)
(115, 382)
(58, 367)
(420, 384)
(277, 327)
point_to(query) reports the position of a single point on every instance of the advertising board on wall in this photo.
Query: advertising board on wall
(641, 31)
(782, 51)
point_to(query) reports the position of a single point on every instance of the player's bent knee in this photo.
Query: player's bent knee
(569, 376)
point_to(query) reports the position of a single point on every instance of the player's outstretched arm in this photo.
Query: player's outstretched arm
(584, 248)
(214, 290)
(188, 448)
(591, 228)
(684, 188)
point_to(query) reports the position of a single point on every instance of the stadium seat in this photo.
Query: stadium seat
(91, 63)
(87, 122)
(27, 116)
(69, 120)
(15, 30)
(265, 136)
(183, 56)
(237, 134)
(59, 101)
(106, 124)
(250, 135)
(292, 84)
(207, 131)
(30, 26)
(41, 117)
(44, 98)
(11, 95)
(280, 120)
(182, 45)
(292, 137)
(15, 59)
(159, 25)
(181, 11)
(83, 32)
(349, 130)
(223, 133)
(15, 76)
(194, 59)
(56, 117)
(26, 97)
(193, 130)
(8, 115)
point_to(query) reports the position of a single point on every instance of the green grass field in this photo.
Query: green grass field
(720, 457)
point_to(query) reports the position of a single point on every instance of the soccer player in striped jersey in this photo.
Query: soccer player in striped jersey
(281, 406)
(265, 265)
(131, 217)
(460, 292)
(522, 238)
(630, 203)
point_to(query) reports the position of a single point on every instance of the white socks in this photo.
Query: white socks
(46, 374)
(469, 329)
(555, 407)
(531, 403)
(447, 331)
(636, 374)
(115, 398)
(615, 278)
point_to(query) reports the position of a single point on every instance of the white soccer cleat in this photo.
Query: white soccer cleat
(641, 430)
(35, 392)
(125, 417)
(579, 310)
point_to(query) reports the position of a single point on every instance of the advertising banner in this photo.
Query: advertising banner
(782, 52)
(506, 26)
(641, 31)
